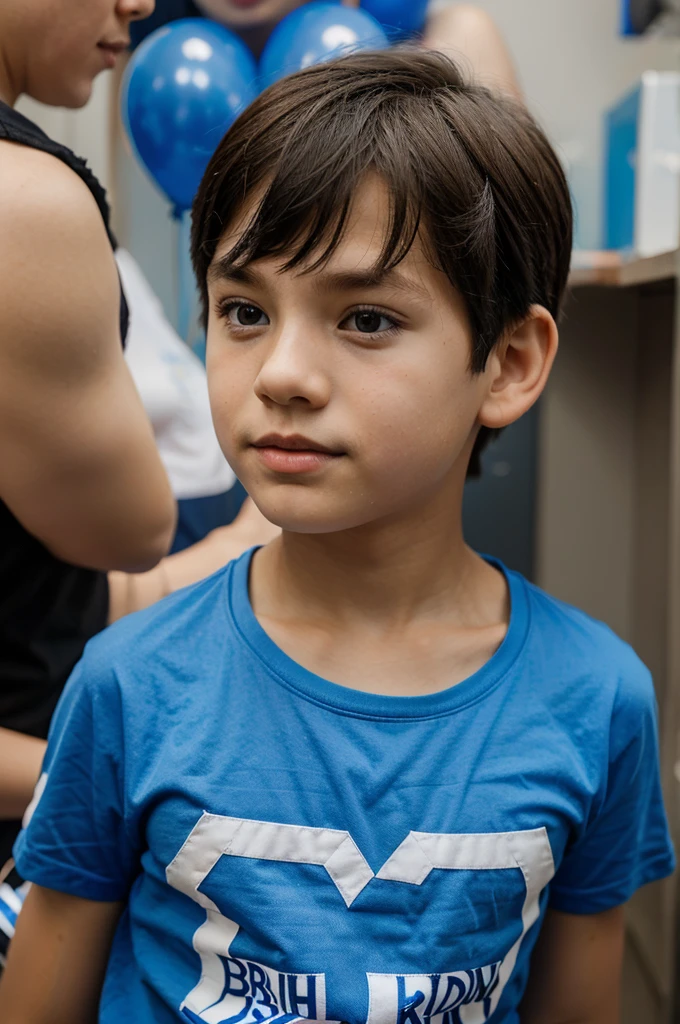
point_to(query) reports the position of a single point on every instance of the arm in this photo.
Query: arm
(57, 959)
(576, 970)
(132, 592)
(78, 463)
(467, 33)
(21, 758)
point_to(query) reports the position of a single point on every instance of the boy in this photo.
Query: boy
(353, 775)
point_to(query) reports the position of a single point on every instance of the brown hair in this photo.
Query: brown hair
(469, 167)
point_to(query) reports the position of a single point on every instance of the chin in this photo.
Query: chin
(73, 97)
(293, 522)
(79, 97)
(303, 518)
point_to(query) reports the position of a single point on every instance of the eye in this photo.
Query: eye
(244, 314)
(370, 321)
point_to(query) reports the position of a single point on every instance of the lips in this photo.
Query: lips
(295, 443)
(294, 454)
(116, 47)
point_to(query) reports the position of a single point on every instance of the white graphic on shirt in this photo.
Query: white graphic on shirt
(433, 998)
(35, 800)
(217, 836)
(230, 989)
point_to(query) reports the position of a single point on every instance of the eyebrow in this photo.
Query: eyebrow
(224, 270)
(360, 280)
(325, 282)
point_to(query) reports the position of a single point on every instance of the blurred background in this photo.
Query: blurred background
(573, 65)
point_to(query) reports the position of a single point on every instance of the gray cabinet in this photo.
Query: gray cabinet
(608, 532)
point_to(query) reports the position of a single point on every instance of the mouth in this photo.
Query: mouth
(295, 443)
(113, 50)
(294, 453)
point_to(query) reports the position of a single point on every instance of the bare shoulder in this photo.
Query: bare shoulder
(36, 188)
(56, 263)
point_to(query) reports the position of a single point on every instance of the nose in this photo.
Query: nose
(135, 10)
(293, 373)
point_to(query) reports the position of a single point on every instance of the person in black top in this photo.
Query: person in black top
(82, 488)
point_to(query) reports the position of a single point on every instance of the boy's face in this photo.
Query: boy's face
(376, 373)
(247, 13)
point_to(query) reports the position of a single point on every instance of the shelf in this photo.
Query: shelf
(617, 270)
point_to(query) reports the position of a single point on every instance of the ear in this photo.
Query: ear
(518, 368)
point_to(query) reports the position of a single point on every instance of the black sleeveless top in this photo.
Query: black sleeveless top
(48, 609)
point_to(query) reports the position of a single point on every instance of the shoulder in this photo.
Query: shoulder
(141, 677)
(588, 652)
(56, 266)
(38, 190)
(182, 627)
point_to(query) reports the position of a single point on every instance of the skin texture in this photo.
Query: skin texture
(78, 463)
(82, 476)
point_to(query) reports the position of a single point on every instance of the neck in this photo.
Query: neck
(385, 573)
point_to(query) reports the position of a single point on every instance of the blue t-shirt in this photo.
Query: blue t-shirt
(293, 849)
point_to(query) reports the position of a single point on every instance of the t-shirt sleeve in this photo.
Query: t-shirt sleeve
(625, 844)
(75, 838)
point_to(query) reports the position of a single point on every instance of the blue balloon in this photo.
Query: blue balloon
(184, 87)
(399, 17)
(317, 32)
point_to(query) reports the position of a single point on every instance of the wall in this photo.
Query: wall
(573, 65)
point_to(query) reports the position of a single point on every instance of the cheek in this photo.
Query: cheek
(69, 53)
(230, 385)
(419, 415)
(76, 33)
